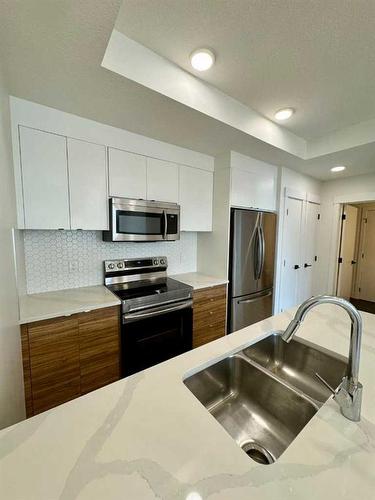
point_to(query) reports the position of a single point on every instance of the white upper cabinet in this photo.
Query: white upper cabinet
(127, 174)
(44, 173)
(253, 183)
(162, 180)
(196, 191)
(88, 185)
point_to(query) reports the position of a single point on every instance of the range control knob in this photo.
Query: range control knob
(156, 262)
(111, 266)
(162, 262)
(120, 265)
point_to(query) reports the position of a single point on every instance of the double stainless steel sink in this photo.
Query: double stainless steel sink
(264, 395)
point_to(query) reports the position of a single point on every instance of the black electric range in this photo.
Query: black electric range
(156, 311)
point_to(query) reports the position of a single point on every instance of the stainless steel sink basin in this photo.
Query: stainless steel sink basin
(264, 395)
(262, 414)
(297, 363)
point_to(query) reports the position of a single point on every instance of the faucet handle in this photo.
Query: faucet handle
(325, 383)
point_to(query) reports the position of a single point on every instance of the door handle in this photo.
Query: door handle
(255, 299)
(307, 265)
(165, 225)
(354, 262)
(296, 266)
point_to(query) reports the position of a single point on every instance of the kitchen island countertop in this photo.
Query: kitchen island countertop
(147, 437)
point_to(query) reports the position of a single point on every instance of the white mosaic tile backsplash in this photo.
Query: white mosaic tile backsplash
(68, 259)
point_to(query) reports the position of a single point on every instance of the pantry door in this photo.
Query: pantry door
(347, 251)
(367, 256)
(291, 253)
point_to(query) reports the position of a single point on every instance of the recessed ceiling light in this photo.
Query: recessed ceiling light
(202, 59)
(339, 168)
(284, 114)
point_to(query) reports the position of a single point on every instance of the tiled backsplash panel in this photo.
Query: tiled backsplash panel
(68, 259)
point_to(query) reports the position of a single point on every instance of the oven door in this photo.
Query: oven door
(151, 336)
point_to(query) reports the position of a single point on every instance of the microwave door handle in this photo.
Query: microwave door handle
(165, 225)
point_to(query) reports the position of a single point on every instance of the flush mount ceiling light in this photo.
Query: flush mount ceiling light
(339, 168)
(284, 114)
(202, 59)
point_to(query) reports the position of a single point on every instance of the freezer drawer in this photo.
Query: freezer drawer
(250, 309)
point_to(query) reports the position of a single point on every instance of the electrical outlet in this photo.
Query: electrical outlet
(73, 266)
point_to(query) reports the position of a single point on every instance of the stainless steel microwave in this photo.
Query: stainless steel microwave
(142, 220)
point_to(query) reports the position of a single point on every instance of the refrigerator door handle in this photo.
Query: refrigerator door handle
(248, 301)
(261, 251)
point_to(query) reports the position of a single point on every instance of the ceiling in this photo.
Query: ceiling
(315, 55)
(52, 53)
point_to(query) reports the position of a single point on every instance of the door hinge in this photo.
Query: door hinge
(318, 216)
(363, 256)
(340, 260)
(359, 289)
(316, 258)
(365, 220)
(287, 211)
(343, 217)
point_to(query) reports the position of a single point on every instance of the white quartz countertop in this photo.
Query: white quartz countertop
(199, 280)
(147, 437)
(39, 306)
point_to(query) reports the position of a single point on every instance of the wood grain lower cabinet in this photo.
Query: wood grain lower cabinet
(66, 357)
(209, 314)
(99, 348)
(54, 362)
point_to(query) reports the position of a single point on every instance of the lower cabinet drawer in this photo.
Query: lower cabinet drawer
(209, 315)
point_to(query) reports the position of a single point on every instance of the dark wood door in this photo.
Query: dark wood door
(54, 362)
(99, 352)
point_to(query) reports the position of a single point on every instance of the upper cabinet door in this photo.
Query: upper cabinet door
(196, 191)
(44, 179)
(127, 174)
(162, 180)
(88, 185)
(253, 189)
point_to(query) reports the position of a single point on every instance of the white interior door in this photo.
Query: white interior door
(291, 253)
(347, 251)
(311, 218)
(367, 253)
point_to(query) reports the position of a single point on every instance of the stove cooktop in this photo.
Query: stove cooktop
(142, 295)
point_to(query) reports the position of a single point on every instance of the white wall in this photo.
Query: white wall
(335, 192)
(12, 407)
(298, 182)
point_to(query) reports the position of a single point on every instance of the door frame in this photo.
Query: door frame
(334, 253)
(339, 251)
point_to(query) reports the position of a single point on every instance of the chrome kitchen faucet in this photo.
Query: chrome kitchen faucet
(349, 393)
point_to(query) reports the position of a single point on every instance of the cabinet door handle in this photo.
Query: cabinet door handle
(307, 265)
(296, 266)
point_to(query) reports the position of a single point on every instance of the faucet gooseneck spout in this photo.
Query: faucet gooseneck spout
(349, 393)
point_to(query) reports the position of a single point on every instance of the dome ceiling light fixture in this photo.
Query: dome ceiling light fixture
(339, 168)
(202, 59)
(284, 114)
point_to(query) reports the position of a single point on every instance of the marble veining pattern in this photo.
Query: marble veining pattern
(49, 254)
(147, 437)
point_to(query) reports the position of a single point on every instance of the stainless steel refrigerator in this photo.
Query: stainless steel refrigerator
(251, 269)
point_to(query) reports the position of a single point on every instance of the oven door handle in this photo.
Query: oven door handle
(156, 312)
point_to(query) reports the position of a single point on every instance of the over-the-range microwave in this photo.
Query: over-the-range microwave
(142, 220)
